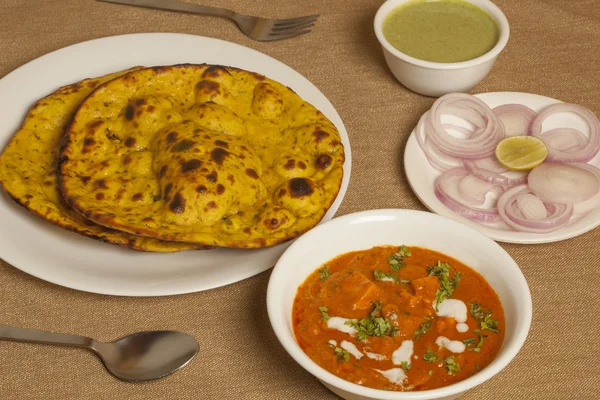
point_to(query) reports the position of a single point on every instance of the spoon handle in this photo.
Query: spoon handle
(8, 332)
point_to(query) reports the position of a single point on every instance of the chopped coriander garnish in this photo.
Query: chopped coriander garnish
(370, 327)
(405, 365)
(383, 276)
(324, 273)
(469, 341)
(441, 269)
(341, 354)
(394, 263)
(430, 372)
(482, 337)
(430, 356)
(356, 365)
(375, 325)
(376, 309)
(404, 251)
(324, 314)
(484, 318)
(425, 326)
(394, 331)
(451, 365)
(447, 285)
(396, 260)
(477, 367)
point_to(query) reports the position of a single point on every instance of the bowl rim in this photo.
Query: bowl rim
(486, 5)
(504, 357)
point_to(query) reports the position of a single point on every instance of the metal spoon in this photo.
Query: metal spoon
(142, 356)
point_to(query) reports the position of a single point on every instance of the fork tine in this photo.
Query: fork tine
(295, 21)
(296, 28)
(277, 36)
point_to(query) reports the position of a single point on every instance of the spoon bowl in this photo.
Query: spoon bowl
(146, 356)
(141, 356)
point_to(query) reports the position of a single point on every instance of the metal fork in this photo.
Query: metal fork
(256, 28)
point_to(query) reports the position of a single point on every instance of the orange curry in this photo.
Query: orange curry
(398, 318)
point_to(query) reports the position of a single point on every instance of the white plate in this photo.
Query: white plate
(421, 175)
(55, 255)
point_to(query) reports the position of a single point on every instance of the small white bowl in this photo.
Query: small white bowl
(367, 229)
(437, 79)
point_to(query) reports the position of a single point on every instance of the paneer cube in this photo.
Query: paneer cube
(361, 291)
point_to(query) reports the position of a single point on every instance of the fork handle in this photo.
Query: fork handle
(13, 333)
(172, 5)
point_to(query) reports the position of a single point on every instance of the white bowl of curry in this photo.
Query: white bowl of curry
(399, 304)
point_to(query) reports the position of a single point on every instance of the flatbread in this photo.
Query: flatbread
(203, 154)
(28, 168)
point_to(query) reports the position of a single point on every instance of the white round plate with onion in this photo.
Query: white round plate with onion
(451, 166)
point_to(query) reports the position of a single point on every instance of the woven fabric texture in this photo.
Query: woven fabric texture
(554, 50)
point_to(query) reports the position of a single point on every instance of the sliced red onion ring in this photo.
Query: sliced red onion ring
(559, 214)
(492, 177)
(480, 144)
(588, 205)
(438, 160)
(435, 158)
(491, 164)
(468, 114)
(531, 207)
(516, 118)
(461, 129)
(583, 155)
(446, 190)
(568, 140)
(563, 183)
(474, 190)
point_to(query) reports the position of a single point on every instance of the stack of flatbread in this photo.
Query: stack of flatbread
(175, 158)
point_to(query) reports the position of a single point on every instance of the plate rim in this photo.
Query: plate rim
(42, 272)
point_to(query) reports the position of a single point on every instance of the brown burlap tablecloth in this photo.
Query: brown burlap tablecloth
(554, 50)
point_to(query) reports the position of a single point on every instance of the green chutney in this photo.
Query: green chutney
(444, 31)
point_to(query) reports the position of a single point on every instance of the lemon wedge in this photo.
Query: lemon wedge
(521, 153)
